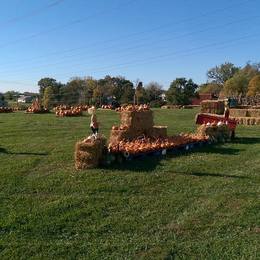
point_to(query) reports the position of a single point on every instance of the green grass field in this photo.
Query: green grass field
(202, 205)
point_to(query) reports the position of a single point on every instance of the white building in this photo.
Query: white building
(24, 99)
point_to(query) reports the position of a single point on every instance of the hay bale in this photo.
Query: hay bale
(139, 120)
(165, 107)
(238, 112)
(246, 120)
(240, 120)
(213, 106)
(158, 131)
(257, 121)
(119, 135)
(89, 154)
(253, 112)
(252, 120)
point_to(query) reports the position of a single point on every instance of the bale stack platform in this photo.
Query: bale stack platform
(247, 116)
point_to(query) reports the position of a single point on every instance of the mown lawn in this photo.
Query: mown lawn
(203, 205)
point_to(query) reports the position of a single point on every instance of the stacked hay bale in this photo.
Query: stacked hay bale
(213, 107)
(134, 124)
(248, 116)
(88, 153)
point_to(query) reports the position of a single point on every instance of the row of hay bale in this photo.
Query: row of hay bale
(248, 116)
(248, 120)
(213, 107)
(244, 112)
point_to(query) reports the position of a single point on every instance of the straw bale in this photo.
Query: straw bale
(238, 112)
(89, 154)
(240, 120)
(142, 120)
(119, 135)
(248, 120)
(253, 112)
(257, 121)
(158, 131)
(213, 106)
(252, 120)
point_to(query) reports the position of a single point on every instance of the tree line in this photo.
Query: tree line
(224, 80)
(108, 90)
(232, 81)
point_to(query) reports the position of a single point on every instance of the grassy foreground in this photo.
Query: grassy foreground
(203, 205)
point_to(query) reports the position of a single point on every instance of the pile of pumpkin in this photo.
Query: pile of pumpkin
(63, 110)
(6, 110)
(107, 107)
(36, 107)
(133, 108)
(33, 109)
(65, 107)
(146, 144)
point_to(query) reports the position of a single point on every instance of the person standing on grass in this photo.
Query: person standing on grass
(226, 112)
(93, 121)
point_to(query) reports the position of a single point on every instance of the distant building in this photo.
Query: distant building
(205, 96)
(24, 99)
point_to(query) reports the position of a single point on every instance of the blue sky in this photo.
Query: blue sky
(149, 40)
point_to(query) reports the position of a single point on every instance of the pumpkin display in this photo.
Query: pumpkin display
(133, 108)
(64, 111)
(147, 144)
(36, 107)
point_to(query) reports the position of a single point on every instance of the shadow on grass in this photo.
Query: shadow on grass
(149, 163)
(247, 140)
(220, 150)
(146, 164)
(205, 174)
(3, 150)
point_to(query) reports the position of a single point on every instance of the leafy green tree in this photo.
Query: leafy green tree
(44, 83)
(127, 95)
(220, 74)
(117, 88)
(48, 98)
(73, 92)
(212, 88)
(181, 91)
(11, 95)
(56, 88)
(254, 86)
(236, 85)
(153, 92)
(139, 93)
(251, 70)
